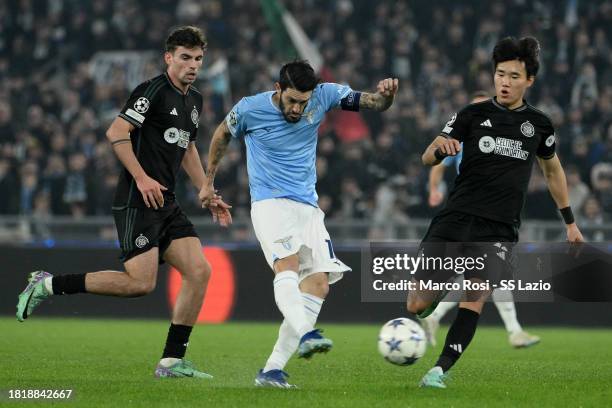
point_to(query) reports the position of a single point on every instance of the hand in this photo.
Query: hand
(573, 233)
(220, 211)
(206, 194)
(151, 192)
(450, 146)
(388, 87)
(435, 197)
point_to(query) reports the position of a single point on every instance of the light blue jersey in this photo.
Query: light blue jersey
(454, 160)
(281, 156)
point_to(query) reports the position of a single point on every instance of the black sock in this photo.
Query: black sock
(176, 343)
(458, 338)
(68, 284)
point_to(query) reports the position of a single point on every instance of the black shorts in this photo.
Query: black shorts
(460, 235)
(140, 229)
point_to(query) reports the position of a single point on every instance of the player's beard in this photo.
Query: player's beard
(281, 106)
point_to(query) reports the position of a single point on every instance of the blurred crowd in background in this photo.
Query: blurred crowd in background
(55, 160)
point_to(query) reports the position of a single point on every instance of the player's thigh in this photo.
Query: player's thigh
(289, 263)
(277, 226)
(143, 267)
(185, 254)
(474, 299)
(316, 284)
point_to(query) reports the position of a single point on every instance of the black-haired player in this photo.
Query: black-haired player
(501, 138)
(153, 137)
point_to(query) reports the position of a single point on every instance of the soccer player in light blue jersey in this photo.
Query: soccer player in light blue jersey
(280, 129)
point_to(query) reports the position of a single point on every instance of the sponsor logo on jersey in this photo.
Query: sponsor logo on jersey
(486, 144)
(142, 105)
(141, 241)
(180, 137)
(527, 129)
(503, 147)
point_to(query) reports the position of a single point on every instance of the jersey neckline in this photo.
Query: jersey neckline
(502, 107)
(174, 86)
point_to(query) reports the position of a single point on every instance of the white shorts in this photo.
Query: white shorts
(285, 227)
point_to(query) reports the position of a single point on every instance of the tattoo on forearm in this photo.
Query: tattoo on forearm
(374, 101)
(218, 147)
(120, 141)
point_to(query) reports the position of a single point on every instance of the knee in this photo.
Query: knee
(416, 305)
(140, 288)
(317, 285)
(321, 288)
(200, 271)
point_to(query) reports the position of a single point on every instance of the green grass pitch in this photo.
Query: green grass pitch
(111, 362)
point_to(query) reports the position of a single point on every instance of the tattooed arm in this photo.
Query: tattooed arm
(218, 146)
(383, 98)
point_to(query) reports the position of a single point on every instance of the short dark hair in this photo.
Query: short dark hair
(298, 75)
(527, 50)
(186, 36)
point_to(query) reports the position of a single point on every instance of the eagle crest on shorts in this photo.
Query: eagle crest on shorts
(285, 242)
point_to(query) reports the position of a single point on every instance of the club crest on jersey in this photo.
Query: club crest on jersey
(142, 105)
(195, 116)
(286, 242)
(141, 241)
(527, 129)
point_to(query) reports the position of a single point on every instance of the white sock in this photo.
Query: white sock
(48, 284)
(168, 361)
(288, 340)
(442, 309)
(505, 306)
(289, 301)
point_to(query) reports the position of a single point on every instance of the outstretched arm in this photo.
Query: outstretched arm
(382, 98)
(557, 185)
(218, 146)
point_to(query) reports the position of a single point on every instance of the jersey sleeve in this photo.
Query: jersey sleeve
(138, 105)
(236, 119)
(546, 148)
(458, 126)
(334, 95)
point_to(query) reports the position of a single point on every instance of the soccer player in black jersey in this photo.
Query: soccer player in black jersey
(501, 139)
(153, 136)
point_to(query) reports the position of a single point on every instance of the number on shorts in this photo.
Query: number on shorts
(330, 248)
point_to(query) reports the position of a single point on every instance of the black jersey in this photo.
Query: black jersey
(166, 120)
(499, 147)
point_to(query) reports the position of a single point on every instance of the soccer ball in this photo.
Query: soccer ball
(402, 341)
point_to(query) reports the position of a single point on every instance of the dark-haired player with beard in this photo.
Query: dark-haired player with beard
(501, 139)
(153, 137)
(280, 130)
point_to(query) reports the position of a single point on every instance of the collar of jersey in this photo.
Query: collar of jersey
(174, 86)
(502, 107)
(272, 102)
